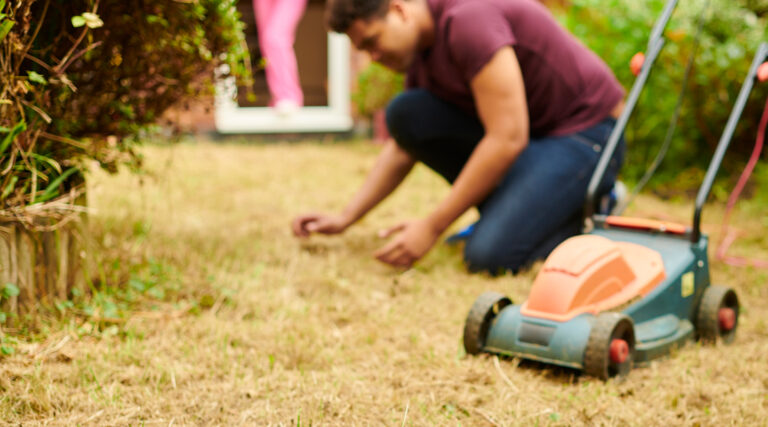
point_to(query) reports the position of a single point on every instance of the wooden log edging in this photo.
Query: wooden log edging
(44, 265)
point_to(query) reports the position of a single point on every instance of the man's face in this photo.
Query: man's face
(391, 40)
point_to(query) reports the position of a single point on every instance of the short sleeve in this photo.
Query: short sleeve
(475, 33)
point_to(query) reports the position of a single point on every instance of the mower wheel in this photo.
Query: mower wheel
(479, 319)
(718, 315)
(610, 346)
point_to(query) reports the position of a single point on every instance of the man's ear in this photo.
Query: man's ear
(400, 8)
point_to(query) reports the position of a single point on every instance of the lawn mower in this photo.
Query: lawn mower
(628, 290)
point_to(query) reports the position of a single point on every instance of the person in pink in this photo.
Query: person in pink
(276, 22)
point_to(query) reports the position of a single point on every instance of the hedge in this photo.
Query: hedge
(732, 31)
(82, 79)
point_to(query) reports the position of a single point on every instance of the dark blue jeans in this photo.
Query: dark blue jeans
(538, 203)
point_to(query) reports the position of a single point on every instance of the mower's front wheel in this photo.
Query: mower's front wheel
(610, 346)
(479, 319)
(718, 315)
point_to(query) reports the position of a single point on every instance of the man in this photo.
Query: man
(503, 103)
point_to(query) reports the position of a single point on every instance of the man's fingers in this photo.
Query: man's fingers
(297, 228)
(389, 253)
(403, 260)
(385, 250)
(392, 230)
(304, 225)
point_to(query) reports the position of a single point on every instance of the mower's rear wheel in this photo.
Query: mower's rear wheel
(610, 346)
(479, 319)
(718, 315)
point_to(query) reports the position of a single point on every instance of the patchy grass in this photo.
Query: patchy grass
(206, 311)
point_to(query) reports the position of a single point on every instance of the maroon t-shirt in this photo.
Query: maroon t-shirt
(567, 86)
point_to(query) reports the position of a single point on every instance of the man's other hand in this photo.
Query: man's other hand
(414, 240)
(305, 225)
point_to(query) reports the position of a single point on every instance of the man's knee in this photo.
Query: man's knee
(403, 116)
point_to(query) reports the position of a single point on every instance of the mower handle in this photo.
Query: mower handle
(725, 140)
(618, 129)
(655, 44)
(661, 24)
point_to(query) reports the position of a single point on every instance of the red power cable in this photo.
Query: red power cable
(729, 236)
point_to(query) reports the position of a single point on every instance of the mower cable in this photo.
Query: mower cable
(728, 235)
(673, 122)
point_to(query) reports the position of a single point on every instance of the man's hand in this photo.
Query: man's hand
(416, 238)
(391, 167)
(305, 225)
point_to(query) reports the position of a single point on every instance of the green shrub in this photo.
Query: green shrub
(81, 79)
(733, 29)
(376, 86)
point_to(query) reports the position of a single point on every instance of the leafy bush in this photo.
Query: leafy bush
(733, 29)
(376, 86)
(82, 78)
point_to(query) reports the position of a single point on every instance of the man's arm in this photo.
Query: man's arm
(500, 98)
(392, 166)
(501, 104)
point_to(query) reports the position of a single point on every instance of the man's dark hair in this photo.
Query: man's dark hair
(339, 14)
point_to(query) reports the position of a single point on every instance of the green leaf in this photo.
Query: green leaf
(43, 159)
(157, 293)
(63, 306)
(92, 20)
(5, 28)
(154, 19)
(2, 4)
(37, 78)
(78, 21)
(20, 127)
(110, 309)
(6, 350)
(10, 290)
(8, 188)
(53, 188)
(3, 317)
(138, 285)
(4, 129)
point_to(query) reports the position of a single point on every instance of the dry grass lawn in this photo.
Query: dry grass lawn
(246, 325)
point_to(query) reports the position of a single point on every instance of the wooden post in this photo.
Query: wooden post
(25, 260)
(44, 265)
(62, 249)
(13, 267)
(7, 274)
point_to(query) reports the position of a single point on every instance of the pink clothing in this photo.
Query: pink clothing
(276, 22)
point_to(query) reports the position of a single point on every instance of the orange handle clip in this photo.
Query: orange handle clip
(762, 72)
(636, 63)
(645, 224)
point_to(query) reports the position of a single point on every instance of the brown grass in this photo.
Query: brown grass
(320, 333)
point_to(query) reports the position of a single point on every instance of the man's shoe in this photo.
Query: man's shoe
(461, 235)
(614, 199)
